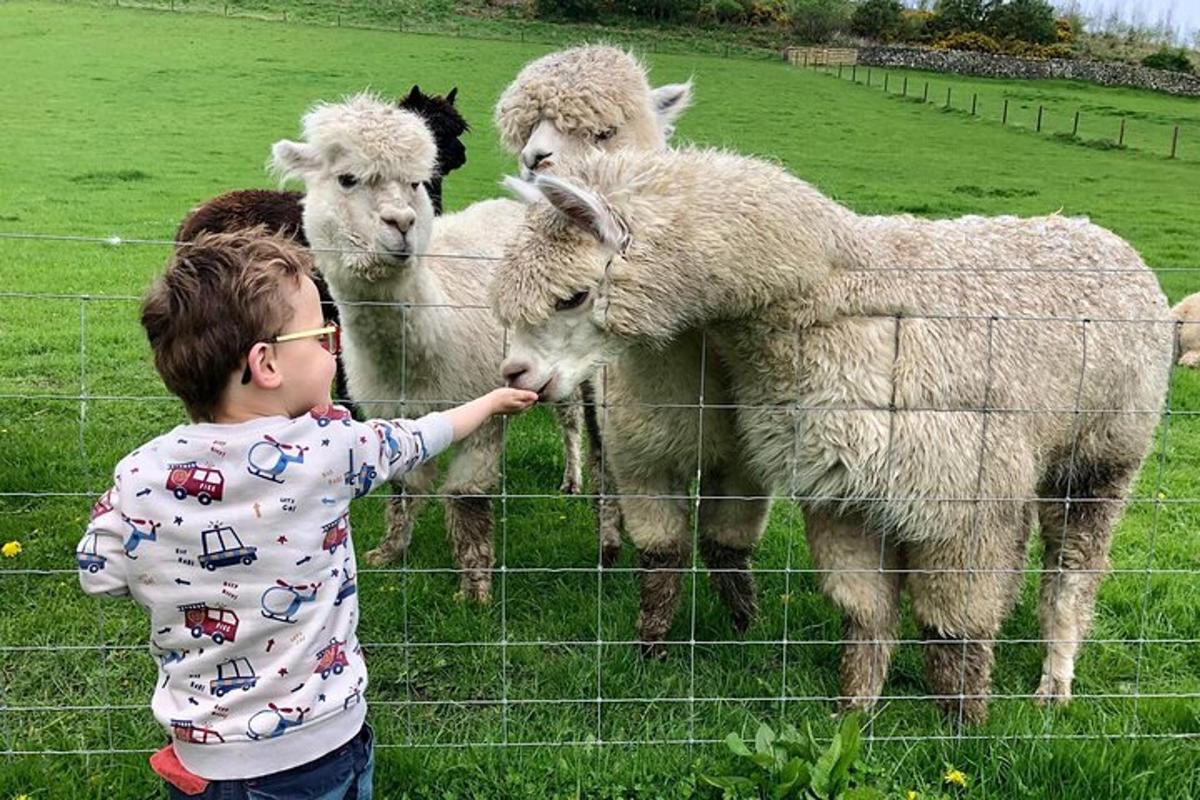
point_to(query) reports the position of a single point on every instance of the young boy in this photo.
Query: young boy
(234, 531)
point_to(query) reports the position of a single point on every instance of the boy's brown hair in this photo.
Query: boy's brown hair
(220, 295)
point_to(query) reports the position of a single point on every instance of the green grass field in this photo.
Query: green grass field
(115, 122)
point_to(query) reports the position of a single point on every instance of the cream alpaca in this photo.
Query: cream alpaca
(920, 386)
(370, 221)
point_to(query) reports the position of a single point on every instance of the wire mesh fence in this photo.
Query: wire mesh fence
(553, 661)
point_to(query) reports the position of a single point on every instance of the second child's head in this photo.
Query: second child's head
(222, 322)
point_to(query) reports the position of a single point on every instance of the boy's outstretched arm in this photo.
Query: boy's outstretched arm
(400, 445)
(467, 418)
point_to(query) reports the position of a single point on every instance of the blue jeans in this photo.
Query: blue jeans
(342, 774)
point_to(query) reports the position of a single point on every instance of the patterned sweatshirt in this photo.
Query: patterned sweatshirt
(236, 539)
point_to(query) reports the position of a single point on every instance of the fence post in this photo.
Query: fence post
(227, 9)
(1039, 119)
(974, 102)
(854, 73)
(904, 92)
(840, 71)
(285, 15)
(1175, 142)
(868, 76)
(1075, 127)
(1121, 140)
(805, 64)
(886, 77)
(948, 89)
(1004, 117)
(925, 97)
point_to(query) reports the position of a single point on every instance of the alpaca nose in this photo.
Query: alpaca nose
(513, 370)
(402, 221)
(534, 158)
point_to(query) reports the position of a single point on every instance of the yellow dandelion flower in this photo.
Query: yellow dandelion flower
(11, 549)
(912, 795)
(955, 777)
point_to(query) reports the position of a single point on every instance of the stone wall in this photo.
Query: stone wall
(991, 66)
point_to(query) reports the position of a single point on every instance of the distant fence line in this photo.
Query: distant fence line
(839, 64)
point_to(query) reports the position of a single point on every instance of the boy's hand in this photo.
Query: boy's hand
(511, 401)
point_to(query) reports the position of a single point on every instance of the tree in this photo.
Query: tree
(958, 15)
(881, 20)
(1027, 20)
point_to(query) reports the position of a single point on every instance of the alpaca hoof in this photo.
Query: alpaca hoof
(653, 651)
(479, 594)
(570, 485)
(1052, 692)
(849, 705)
(379, 557)
(974, 710)
(610, 554)
(742, 619)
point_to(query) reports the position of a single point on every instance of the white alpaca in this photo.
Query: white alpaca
(927, 389)
(1187, 313)
(566, 106)
(417, 334)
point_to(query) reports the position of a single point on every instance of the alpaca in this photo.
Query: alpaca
(558, 108)
(925, 388)
(592, 97)
(281, 211)
(368, 215)
(1187, 314)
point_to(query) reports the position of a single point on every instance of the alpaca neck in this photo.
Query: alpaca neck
(398, 320)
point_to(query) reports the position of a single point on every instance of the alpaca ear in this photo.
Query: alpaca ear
(669, 103)
(585, 209)
(414, 94)
(453, 94)
(294, 159)
(524, 191)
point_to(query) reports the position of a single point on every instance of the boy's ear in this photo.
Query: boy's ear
(264, 372)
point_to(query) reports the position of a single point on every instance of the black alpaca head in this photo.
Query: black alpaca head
(446, 125)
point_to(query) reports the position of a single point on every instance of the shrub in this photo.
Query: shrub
(721, 11)
(1168, 59)
(971, 41)
(575, 10)
(916, 26)
(817, 21)
(1064, 31)
(881, 20)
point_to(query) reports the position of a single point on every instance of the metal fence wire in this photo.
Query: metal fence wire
(103, 653)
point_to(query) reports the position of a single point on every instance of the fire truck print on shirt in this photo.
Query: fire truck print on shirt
(237, 541)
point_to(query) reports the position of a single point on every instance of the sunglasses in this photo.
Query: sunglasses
(329, 337)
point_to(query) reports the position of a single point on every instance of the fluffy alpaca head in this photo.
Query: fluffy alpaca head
(364, 163)
(635, 248)
(593, 97)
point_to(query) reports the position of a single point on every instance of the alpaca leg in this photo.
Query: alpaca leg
(403, 508)
(469, 523)
(470, 482)
(659, 528)
(962, 589)
(570, 419)
(608, 510)
(729, 530)
(860, 574)
(1077, 538)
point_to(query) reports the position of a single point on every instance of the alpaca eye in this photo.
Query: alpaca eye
(414, 186)
(347, 181)
(604, 136)
(574, 301)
